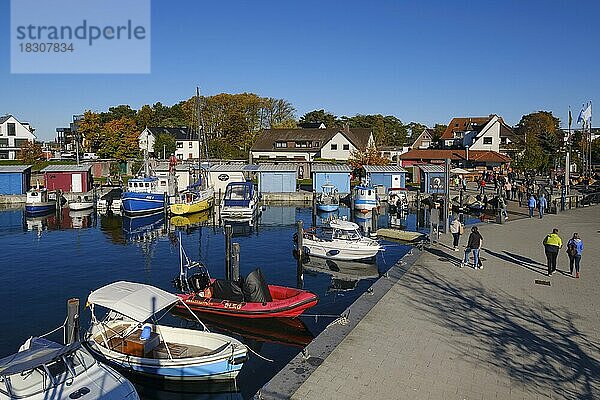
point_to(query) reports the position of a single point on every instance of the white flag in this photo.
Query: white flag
(586, 114)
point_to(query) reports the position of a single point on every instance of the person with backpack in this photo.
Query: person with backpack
(574, 251)
(552, 244)
(474, 244)
(456, 229)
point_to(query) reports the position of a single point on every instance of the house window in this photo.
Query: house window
(190, 155)
(280, 144)
(346, 147)
(19, 142)
(333, 146)
(315, 144)
(456, 125)
(180, 145)
(11, 129)
(0, 130)
(487, 140)
(190, 145)
(302, 144)
(180, 157)
(4, 142)
(502, 140)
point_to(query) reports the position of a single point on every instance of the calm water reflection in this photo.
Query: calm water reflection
(49, 259)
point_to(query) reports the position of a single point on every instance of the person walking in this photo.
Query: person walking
(482, 187)
(474, 244)
(542, 205)
(531, 203)
(456, 229)
(508, 190)
(502, 207)
(574, 251)
(552, 244)
(521, 193)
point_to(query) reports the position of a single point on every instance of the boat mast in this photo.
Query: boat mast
(202, 142)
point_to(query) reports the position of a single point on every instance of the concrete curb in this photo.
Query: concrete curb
(296, 372)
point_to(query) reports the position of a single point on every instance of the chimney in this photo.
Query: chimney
(467, 152)
(346, 127)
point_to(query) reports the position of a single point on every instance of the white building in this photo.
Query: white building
(187, 146)
(12, 136)
(478, 133)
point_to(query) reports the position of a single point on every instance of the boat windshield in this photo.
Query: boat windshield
(346, 234)
(44, 377)
(238, 192)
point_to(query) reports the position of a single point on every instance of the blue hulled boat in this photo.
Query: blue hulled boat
(38, 203)
(142, 196)
(329, 199)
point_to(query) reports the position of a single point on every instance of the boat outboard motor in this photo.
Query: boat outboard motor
(199, 281)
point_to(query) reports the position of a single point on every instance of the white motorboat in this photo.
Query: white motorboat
(81, 203)
(154, 350)
(38, 202)
(43, 369)
(240, 201)
(340, 241)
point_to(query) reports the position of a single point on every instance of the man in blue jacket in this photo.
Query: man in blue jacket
(531, 204)
(543, 204)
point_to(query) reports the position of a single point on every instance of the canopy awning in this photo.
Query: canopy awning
(134, 300)
(41, 351)
(343, 225)
(459, 171)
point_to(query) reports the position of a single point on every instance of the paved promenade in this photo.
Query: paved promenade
(442, 332)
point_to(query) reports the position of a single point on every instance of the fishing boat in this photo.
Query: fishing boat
(43, 369)
(142, 196)
(38, 202)
(240, 201)
(253, 298)
(329, 199)
(341, 240)
(81, 203)
(365, 198)
(193, 200)
(130, 337)
(397, 201)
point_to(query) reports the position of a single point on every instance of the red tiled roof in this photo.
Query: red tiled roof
(474, 155)
(463, 124)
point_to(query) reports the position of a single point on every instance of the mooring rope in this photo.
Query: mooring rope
(256, 354)
(55, 330)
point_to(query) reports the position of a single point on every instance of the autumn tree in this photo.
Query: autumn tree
(90, 129)
(369, 156)
(120, 139)
(30, 152)
(541, 135)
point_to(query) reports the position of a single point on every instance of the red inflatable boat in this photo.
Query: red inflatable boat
(287, 303)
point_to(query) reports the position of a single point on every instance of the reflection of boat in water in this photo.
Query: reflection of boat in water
(143, 228)
(240, 227)
(345, 275)
(190, 219)
(166, 389)
(81, 218)
(287, 331)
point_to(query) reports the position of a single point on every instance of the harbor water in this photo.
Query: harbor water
(47, 260)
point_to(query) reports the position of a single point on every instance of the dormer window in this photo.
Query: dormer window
(279, 145)
(316, 144)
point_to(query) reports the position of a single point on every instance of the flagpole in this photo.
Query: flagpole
(568, 156)
(590, 146)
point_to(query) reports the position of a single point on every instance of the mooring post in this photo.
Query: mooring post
(299, 244)
(418, 207)
(314, 208)
(72, 328)
(235, 261)
(166, 204)
(374, 220)
(228, 234)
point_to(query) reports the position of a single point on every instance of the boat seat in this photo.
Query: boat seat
(176, 350)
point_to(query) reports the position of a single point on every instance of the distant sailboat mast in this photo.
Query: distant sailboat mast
(202, 142)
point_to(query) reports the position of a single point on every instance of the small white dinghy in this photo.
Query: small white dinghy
(155, 350)
(340, 241)
(81, 203)
(43, 369)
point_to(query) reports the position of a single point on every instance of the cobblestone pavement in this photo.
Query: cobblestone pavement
(442, 332)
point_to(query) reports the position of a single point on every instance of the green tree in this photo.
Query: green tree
(164, 145)
(320, 116)
(90, 129)
(144, 117)
(120, 139)
(596, 151)
(542, 138)
(388, 130)
(30, 152)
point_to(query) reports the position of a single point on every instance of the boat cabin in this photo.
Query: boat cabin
(239, 194)
(143, 185)
(37, 196)
(344, 230)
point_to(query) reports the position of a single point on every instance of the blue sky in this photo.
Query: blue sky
(424, 61)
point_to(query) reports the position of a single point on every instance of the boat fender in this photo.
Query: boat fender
(333, 252)
(306, 250)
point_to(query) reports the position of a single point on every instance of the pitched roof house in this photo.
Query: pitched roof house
(186, 141)
(12, 136)
(308, 144)
(478, 133)
(423, 141)
(463, 157)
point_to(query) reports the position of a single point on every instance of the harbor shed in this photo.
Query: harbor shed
(220, 175)
(432, 178)
(386, 176)
(276, 178)
(336, 174)
(68, 178)
(14, 179)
